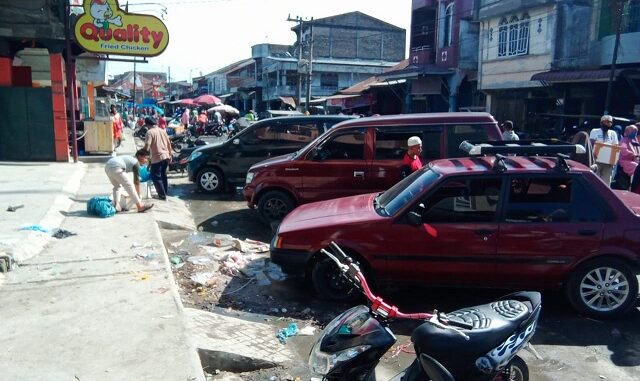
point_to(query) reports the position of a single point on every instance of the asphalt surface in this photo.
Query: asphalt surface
(571, 347)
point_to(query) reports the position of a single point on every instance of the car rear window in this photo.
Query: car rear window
(456, 134)
(545, 199)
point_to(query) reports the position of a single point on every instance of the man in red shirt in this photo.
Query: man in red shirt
(411, 160)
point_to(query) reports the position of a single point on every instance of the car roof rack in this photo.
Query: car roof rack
(550, 147)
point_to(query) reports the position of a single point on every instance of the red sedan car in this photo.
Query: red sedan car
(489, 221)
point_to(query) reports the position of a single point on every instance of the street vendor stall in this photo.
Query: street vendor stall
(99, 131)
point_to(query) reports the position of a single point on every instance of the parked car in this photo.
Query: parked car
(498, 222)
(359, 156)
(216, 167)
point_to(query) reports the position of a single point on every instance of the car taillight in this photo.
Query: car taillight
(278, 243)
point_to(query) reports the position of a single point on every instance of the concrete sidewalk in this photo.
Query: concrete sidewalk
(101, 305)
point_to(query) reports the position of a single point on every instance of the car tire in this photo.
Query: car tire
(603, 288)
(329, 284)
(273, 206)
(210, 180)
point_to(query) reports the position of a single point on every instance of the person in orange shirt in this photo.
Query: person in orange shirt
(116, 125)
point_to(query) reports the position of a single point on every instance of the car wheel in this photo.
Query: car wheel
(210, 180)
(273, 206)
(329, 283)
(603, 288)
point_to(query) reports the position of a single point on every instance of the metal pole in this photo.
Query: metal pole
(134, 88)
(618, 24)
(310, 67)
(299, 62)
(69, 67)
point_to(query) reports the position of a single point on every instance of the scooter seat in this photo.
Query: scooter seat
(492, 324)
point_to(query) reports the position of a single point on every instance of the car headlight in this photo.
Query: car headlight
(322, 363)
(194, 155)
(249, 178)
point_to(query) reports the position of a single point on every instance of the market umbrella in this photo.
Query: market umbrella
(227, 109)
(207, 99)
(187, 101)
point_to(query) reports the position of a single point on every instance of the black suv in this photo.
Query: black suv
(217, 167)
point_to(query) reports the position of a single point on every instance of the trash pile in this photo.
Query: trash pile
(208, 269)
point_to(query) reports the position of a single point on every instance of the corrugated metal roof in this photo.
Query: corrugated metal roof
(576, 75)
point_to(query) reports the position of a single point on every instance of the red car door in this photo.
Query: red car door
(336, 168)
(457, 240)
(549, 223)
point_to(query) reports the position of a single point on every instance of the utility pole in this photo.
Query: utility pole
(134, 86)
(169, 84)
(299, 90)
(310, 66)
(618, 25)
(71, 81)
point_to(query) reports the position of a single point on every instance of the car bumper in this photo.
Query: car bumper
(292, 262)
(192, 169)
(248, 192)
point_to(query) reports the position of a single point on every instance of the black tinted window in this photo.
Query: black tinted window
(456, 134)
(297, 132)
(459, 201)
(259, 135)
(346, 146)
(585, 205)
(539, 199)
(392, 144)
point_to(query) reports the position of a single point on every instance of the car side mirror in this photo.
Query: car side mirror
(414, 219)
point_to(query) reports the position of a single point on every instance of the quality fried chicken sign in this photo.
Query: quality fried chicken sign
(105, 28)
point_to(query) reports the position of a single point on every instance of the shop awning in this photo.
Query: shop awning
(289, 101)
(388, 83)
(601, 75)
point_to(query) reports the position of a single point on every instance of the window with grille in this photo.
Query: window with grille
(513, 36)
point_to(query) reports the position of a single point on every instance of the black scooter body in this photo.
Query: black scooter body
(499, 330)
(354, 328)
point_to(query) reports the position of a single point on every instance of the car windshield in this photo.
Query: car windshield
(394, 199)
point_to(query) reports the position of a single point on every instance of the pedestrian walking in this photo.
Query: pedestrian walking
(116, 125)
(184, 119)
(604, 134)
(117, 169)
(158, 144)
(629, 158)
(508, 133)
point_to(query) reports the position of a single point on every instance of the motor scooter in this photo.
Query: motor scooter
(477, 343)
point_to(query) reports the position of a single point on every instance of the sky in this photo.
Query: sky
(206, 35)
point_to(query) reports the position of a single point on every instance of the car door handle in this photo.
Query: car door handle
(484, 232)
(358, 174)
(587, 232)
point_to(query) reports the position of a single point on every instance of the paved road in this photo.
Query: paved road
(572, 347)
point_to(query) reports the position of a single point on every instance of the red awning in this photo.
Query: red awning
(601, 75)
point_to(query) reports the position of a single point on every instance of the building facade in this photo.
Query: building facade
(346, 49)
(442, 71)
(546, 65)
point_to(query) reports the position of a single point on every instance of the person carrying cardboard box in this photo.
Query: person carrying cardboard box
(606, 148)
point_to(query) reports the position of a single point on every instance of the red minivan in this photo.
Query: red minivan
(358, 156)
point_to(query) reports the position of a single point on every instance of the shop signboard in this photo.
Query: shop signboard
(106, 28)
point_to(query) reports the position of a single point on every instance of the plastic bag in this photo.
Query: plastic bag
(101, 207)
(144, 174)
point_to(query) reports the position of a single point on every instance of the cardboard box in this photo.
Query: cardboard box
(606, 153)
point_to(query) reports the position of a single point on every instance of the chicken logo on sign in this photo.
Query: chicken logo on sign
(103, 15)
(105, 28)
